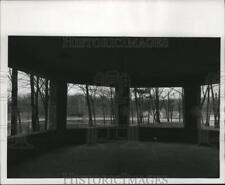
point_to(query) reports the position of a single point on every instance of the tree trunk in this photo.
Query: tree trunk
(112, 106)
(179, 108)
(89, 106)
(93, 108)
(182, 103)
(179, 111)
(207, 107)
(218, 107)
(153, 114)
(157, 112)
(141, 103)
(171, 113)
(168, 107)
(136, 105)
(150, 106)
(132, 112)
(33, 110)
(14, 102)
(36, 104)
(214, 106)
(46, 104)
(103, 110)
(148, 117)
(203, 101)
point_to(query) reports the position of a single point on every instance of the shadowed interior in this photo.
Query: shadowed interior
(179, 62)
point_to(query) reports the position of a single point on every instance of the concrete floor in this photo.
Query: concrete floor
(122, 159)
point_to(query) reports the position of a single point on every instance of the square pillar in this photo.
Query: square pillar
(61, 106)
(58, 105)
(192, 111)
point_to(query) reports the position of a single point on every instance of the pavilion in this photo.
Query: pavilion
(136, 61)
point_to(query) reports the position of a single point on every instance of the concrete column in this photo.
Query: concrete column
(122, 105)
(61, 106)
(58, 105)
(192, 113)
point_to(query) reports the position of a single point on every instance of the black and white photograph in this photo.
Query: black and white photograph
(113, 107)
(109, 108)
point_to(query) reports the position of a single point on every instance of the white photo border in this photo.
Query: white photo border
(199, 18)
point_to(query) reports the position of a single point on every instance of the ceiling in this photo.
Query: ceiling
(147, 61)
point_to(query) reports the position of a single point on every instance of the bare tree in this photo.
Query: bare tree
(149, 103)
(203, 100)
(89, 105)
(112, 105)
(179, 105)
(208, 107)
(218, 107)
(22, 82)
(215, 105)
(44, 94)
(137, 105)
(132, 111)
(46, 98)
(180, 102)
(86, 92)
(170, 104)
(36, 102)
(141, 93)
(92, 95)
(171, 107)
(33, 109)
(102, 94)
(14, 105)
(168, 107)
(157, 107)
